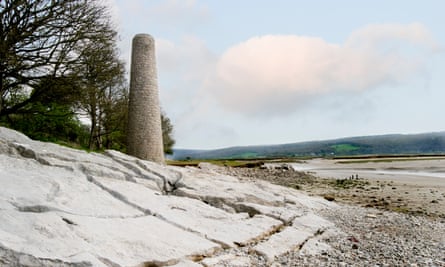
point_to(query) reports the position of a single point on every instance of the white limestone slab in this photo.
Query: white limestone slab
(285, 213)
(60, 205)
(315, 247)
(312, 223)
(229, 229)
(31, 185)
(258, 192)
(287, 240)
(122, 241)
(130, 241)
(227, 260)
(186, 263)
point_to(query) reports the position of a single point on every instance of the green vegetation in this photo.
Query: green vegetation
(344, 149)
(245, 155)
(364, 146)
(59, 61)
(167, 134)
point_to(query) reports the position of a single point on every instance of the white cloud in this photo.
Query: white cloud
(273, 74)
(182, 67)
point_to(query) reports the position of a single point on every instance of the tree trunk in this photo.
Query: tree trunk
(92, 130)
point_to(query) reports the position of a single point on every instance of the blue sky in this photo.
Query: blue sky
(269, 72)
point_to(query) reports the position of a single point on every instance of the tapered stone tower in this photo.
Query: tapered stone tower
(144, 130)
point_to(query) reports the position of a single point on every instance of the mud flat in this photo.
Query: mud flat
(407, 185)
(413, 185)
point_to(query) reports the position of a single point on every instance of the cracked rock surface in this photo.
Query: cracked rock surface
(65, 207)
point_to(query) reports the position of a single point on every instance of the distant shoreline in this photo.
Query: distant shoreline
(407, 186)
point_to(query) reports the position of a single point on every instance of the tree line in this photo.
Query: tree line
(59, 63)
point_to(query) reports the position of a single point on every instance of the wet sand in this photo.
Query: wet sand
(412, 185)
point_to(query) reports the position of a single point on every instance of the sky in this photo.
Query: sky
(257, 72)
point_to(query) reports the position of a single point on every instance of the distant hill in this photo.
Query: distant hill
(394, 144)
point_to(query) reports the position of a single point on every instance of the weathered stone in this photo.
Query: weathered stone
(287, 240)
(227, 260)
(315, 247)
(286, 213)
(122, 241)
(229, 190)
(312, 223)
(65, 207)
(28, 184)
(186, 263)
(144, 135)
(227, 229)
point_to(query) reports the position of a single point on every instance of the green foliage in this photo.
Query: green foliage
(58, 61)
(423, 144)
(52, 122)
(344, 149)
(167, 134)
(103, 93)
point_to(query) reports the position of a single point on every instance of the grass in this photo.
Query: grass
(344, 148)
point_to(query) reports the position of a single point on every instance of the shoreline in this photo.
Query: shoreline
(382, 185)
(415, 186)
(381, 222)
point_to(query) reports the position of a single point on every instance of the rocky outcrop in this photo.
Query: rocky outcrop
(66, 207)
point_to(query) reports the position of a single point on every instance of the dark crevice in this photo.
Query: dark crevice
(136, 169)
(168, 186)
(263, 237)
(155, 263)
(43, 209)
(165, 184)
(317, 233)
(222, 204)
(108, 262)
(24, 151)
(240, 207)
(68, 221)
(35, 209)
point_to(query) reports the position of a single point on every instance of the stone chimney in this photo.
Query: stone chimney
(144, 130)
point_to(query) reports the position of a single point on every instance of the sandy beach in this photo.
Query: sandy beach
(392, 215)
(407, 185)
(413, 185)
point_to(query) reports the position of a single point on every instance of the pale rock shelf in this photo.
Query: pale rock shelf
(66, 207)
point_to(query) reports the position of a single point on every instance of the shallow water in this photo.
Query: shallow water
(416, 169)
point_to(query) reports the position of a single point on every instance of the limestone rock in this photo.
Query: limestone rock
(287, 240)
(227, 260)
(65, 207)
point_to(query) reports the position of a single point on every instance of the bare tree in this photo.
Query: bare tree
(40, 40)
